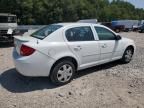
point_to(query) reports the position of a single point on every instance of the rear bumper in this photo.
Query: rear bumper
(35, 65)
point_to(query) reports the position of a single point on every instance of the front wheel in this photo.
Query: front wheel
(127, 56)
(63, 72)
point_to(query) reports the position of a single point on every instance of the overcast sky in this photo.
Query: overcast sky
(136, 3)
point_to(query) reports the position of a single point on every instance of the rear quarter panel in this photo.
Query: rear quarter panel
(55, 50)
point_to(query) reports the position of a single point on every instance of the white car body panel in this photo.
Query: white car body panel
(56, 46)
(29, 66)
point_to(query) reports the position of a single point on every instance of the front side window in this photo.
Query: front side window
(104, 34)
(45, 31)
(79, 34)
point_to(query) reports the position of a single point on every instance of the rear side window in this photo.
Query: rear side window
(104, 34)
(79, 34)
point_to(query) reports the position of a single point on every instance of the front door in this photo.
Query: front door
(109, 46)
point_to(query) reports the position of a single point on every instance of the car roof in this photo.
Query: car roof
(78, 23)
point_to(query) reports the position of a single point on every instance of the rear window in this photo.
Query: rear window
(45, 31)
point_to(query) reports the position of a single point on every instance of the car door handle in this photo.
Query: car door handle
(77, 48)
(104, 46)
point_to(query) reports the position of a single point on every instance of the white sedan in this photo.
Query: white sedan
(59, 50)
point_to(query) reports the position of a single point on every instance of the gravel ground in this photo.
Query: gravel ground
(113, 85)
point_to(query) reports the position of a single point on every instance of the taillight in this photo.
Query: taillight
(26, 50)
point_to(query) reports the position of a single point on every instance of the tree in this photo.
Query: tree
(53, 11)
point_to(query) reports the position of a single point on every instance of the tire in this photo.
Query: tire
(141, 31)
(62, 73)
(127, 56)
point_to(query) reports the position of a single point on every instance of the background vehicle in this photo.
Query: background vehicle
(8, 25)
(127, 24)
(141, 29)
(137, 27)
(58, 50)
(116, 28)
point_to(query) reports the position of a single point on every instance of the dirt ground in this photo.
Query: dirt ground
(113, 85)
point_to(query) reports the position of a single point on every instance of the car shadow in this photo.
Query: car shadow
(98, 68)
(16, 83)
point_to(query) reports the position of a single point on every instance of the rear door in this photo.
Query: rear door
(82, 43)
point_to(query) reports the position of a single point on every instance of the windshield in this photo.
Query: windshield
(7, 19)
(3, 19)
(45, 31)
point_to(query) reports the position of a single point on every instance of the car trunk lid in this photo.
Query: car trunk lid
(19, 40)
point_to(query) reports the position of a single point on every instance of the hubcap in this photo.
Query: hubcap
(128, 55)
(64, 73)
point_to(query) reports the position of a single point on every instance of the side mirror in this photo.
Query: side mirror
(118, 37)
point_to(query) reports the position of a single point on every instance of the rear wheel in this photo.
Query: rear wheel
(141, 31)
(127, 56)
(63, 72)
